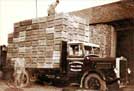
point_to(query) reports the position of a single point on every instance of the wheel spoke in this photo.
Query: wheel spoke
(21, 80)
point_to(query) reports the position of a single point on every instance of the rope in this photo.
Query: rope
(36, 6)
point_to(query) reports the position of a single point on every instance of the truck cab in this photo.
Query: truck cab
(76, 53)
(88, 69)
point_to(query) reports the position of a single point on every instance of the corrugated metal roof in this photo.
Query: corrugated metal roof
(107, 13)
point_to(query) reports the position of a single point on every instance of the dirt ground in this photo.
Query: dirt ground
(4, 86)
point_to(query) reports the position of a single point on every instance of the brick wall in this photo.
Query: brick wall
(101, 34)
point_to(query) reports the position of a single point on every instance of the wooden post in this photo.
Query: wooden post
(113, 42)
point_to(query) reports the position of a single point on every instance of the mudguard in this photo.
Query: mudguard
(90, 72)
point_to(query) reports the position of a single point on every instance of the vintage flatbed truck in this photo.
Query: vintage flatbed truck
(81, 65)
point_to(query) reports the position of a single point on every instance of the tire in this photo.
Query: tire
(94, 82)
(25, 79)
(22, 80)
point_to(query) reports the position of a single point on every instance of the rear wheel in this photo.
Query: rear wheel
(94, 82)
(22, 80)
(25, 79)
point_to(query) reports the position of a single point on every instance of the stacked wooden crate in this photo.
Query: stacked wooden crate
(39, 40)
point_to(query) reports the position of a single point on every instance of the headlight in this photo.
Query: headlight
(87, 58)
(115, 70)
(129, 71)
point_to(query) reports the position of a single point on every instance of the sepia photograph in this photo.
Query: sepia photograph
(66, 45)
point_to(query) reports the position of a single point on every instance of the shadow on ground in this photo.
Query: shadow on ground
(13, 89)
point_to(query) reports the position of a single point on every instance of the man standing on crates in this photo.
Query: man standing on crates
(51, 9)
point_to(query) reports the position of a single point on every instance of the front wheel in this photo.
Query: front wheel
(94, 82)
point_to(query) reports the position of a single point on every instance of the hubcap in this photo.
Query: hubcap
(94, 83)
(24, 79)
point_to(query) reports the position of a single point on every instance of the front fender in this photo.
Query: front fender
(90, 72)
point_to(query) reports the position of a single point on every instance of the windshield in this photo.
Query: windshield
(81, 50)
(89, 50)
(75, 50)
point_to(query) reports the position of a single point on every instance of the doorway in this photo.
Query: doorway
(125, 47)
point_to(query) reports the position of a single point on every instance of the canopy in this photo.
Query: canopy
(107, 13)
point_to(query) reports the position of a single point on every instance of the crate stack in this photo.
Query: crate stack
(39, 40)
